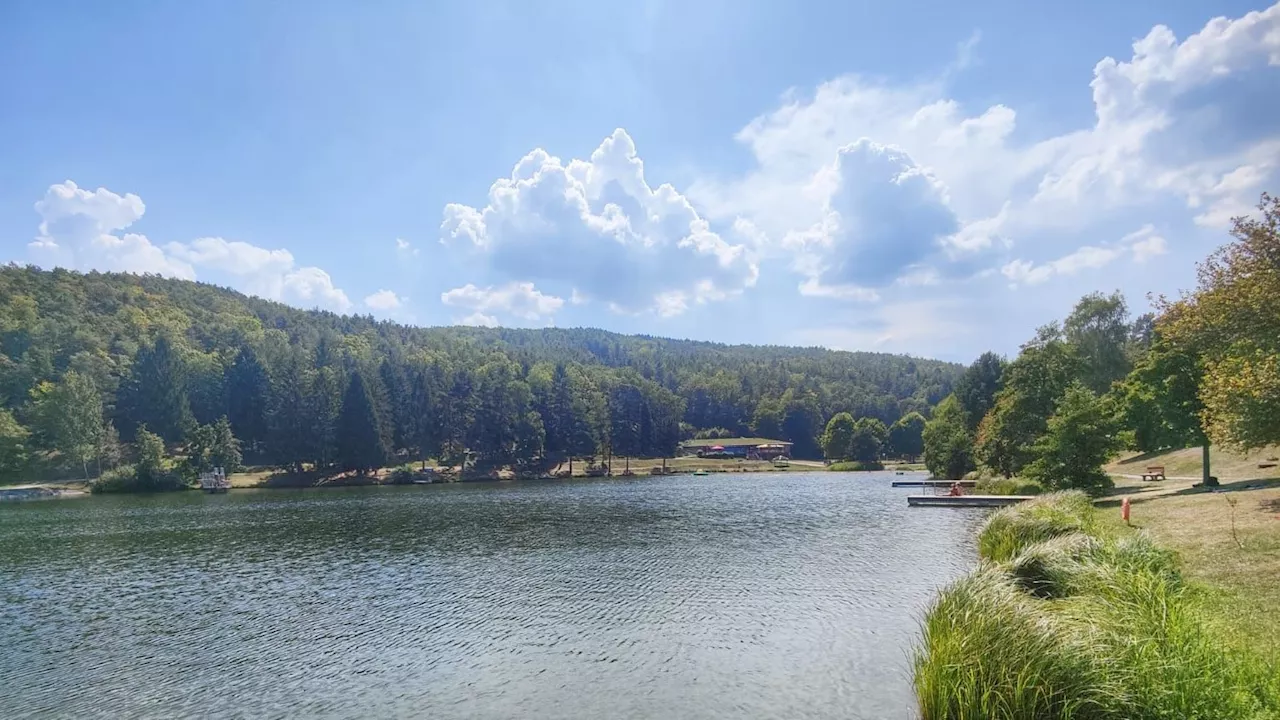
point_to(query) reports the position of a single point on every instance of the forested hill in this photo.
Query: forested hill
(172, 353)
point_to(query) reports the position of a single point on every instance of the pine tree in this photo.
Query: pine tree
(395, 388)
(290, 432)
(362, 447)
(423, 421)
(247, 388)
(323, 404)
(626, 406)
(155, 392)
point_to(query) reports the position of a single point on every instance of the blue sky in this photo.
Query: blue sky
(930, 178)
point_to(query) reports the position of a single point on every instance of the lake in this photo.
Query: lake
(790, 595)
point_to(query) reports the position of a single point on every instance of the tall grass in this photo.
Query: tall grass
(1009, 530)
(1064, 622)
(987, 485)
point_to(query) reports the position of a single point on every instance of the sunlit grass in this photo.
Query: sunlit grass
(1066, 619)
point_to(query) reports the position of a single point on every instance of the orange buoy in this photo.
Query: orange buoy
(1124, 510)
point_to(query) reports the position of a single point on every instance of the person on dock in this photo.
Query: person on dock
(955, 490)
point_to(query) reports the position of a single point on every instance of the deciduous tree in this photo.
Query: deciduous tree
(948, 446)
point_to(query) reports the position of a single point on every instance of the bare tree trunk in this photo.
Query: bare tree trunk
(1206, 476)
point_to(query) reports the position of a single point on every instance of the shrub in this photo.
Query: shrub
(128, 479)
(1009, 530)
(856, 466)
(1006, 486)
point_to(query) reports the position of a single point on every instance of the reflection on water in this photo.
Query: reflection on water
(764, 596)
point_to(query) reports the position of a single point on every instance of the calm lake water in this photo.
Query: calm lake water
(734, 596)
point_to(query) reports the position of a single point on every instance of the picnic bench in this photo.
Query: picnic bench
(1154, 472)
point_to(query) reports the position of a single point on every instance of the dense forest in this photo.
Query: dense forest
(1205, 368)
(100, 369)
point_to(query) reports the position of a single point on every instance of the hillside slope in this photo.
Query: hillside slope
(256, 360)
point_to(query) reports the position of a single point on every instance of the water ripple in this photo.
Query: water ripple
(787, 596)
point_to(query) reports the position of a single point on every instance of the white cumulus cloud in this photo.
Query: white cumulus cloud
(596, 226)
(518, 299)
(383, 300)
(1177, 120)
(1141, 245)
(80, 229)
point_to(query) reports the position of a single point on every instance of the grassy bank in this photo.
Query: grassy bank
(1228, 542)
(1069, 616)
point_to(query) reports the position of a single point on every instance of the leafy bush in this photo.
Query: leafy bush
(856, 466)
(1007, 486)
(128, 479)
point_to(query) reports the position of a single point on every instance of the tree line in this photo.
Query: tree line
(93, 361)
(1205, 368)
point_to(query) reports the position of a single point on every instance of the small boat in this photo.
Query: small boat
(701, 472)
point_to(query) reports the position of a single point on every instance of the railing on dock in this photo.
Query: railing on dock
(215, 481)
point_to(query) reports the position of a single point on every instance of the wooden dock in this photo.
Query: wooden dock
(934, 483)
(966, 500)
(215, 481)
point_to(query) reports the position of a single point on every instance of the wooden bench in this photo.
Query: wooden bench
(1154, 472)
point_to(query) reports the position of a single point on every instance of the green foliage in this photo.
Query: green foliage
(1098, 330)
(767, 420)
(150, 473)
(837, 439)
(906, 436)
(362, 447)
(856, 466)
(869, 438)
(69, 417)
(1231, 325)
(977, 387)
(988, 485)
(1072, 624)
(948, 446)
(1081, 437)
(1032, 385)
(211, 446)
(1009, 530)
(172, 354)
(155, 392)
(1159, 401)
(14, 450)
(248, 390)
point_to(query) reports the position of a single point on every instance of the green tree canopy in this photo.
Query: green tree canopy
(1032, 385)
(1080, 438)
(155, 392)
(1098, 329)
(869, 438)
(1231, 323)
(976, 390)
(14, 449)
(837, 439)
(69, 415)
(1159, 401)
(948, 446)
(906, 436)
(361, 444)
